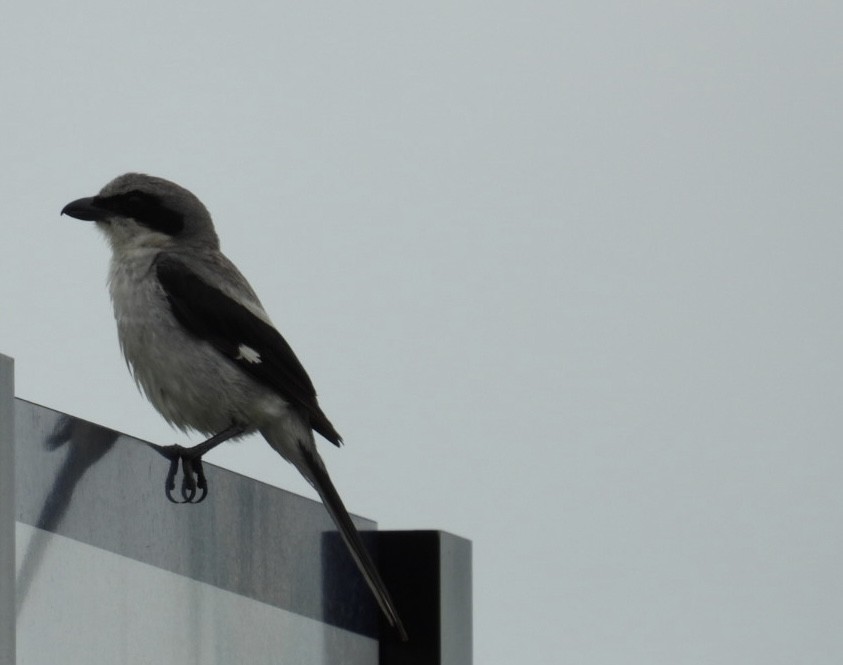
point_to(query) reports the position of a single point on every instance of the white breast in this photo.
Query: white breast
(188, 381)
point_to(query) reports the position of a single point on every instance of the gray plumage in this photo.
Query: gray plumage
(199, 343)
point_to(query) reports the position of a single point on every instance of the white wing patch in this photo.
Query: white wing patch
(248, 354)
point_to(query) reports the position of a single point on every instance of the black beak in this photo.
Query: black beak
(86, 209)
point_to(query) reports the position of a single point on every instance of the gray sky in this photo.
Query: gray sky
(566, 276)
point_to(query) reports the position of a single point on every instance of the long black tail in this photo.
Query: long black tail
(319, 478)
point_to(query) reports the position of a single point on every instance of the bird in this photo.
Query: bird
(203, 350)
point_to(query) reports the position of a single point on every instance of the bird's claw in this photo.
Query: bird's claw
(193, 475)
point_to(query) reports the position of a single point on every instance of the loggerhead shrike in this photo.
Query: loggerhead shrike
(201, 347)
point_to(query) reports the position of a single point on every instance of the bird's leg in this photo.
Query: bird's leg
(193, 475)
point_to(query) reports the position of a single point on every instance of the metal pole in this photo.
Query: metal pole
(7, 511)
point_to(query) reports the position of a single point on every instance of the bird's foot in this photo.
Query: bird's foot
(193, 475)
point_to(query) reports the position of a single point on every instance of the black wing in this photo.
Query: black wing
(252, 344)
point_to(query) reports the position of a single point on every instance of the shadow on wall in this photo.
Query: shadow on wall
(86, 444)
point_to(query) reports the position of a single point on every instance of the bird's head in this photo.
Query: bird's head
(141, 211)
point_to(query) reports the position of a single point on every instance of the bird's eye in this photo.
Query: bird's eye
(135, 204)
(135, 198)
(144, 208)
